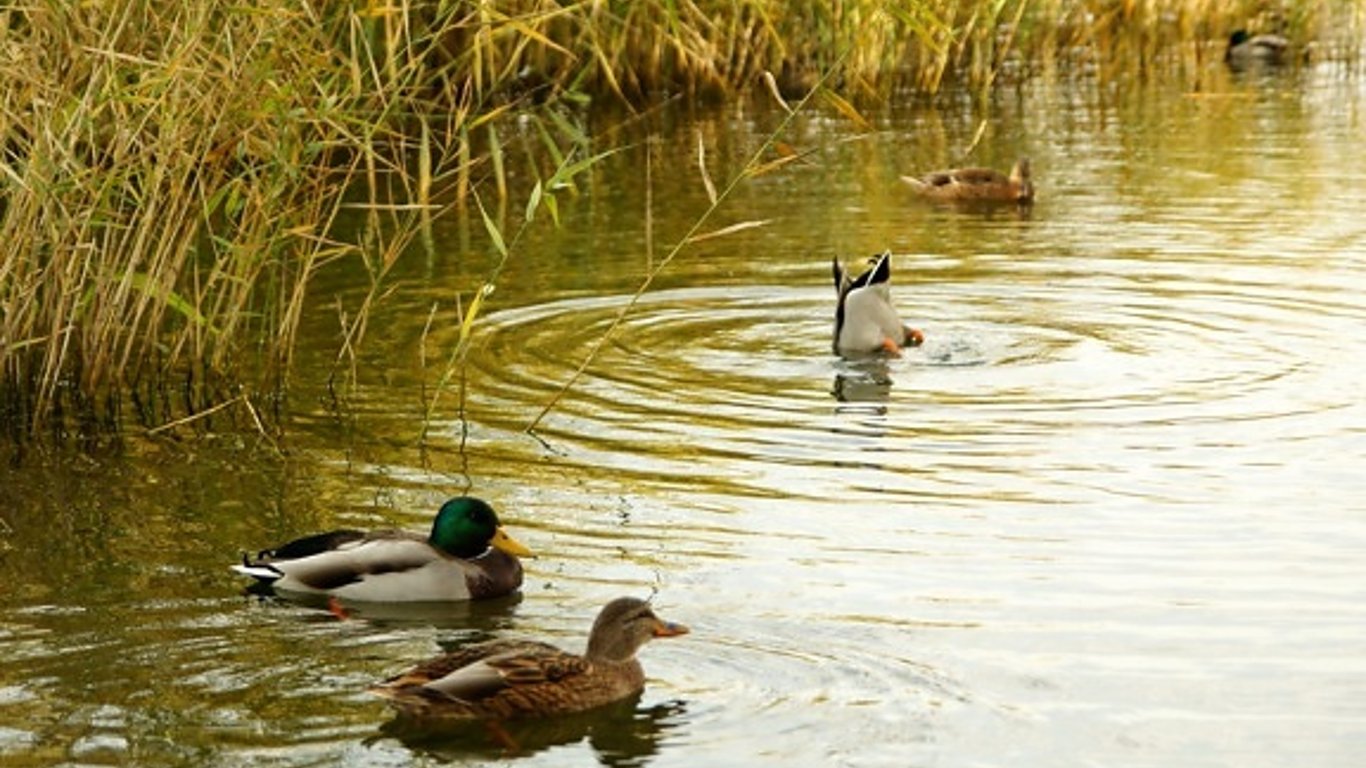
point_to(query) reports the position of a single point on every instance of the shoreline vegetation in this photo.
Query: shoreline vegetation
(172, 174)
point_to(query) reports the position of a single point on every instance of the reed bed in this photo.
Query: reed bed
(172, 173)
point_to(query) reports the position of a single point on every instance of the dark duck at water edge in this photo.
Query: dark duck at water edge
(1248, 50)
(866, 321)
(513, 679)
(467, 556)
(976, 185)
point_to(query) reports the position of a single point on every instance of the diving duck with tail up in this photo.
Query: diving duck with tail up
(866, 322)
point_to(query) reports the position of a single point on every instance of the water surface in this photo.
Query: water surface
(1112, 513)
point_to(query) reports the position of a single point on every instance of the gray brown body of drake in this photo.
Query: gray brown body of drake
(466, 556)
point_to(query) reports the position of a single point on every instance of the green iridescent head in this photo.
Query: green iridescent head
(465, 527)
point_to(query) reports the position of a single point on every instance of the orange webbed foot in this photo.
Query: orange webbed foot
(501, 737)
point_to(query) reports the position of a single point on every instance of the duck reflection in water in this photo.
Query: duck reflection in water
(621, 734)
(863, 381)
(474, 616)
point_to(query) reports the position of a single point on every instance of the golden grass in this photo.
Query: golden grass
(171, 172)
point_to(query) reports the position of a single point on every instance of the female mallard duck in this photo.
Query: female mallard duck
(865, 320)
(1244, 49)
(467, 556)
(977, 185)
(506, 679)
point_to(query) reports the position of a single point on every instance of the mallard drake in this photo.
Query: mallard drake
(865, 320)
(467, 556)
(977, 184)
(1248, 49)
(509, 679)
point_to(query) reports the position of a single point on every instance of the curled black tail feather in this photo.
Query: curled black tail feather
(310, 545)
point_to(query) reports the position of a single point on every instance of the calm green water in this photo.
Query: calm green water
(1112, 513)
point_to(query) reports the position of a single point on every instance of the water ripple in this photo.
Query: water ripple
(740, 378)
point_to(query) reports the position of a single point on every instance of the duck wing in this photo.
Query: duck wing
(502, 678)
(1270, 46)
(310, 545)
(438, 667)
(939, 178)
(332, 560)
(974, 176)
(517, 669)
(939, 182)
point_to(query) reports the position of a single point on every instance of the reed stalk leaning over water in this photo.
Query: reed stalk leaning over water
(171, 176)
(163, 199)
(171, 171)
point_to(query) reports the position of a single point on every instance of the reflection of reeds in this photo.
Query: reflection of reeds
(171, 172)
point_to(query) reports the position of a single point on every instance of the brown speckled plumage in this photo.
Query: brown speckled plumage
(976, 184)
(510, 679)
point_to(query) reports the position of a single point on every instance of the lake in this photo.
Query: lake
(1113, 512)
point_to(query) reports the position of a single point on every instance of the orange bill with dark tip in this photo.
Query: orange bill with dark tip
(669, 629)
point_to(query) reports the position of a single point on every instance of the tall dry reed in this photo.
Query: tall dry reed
(171, 172)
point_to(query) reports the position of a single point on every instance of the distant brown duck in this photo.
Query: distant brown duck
(976, 184)
(510, 679)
